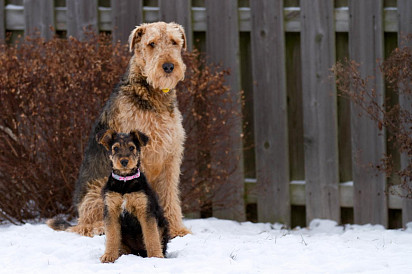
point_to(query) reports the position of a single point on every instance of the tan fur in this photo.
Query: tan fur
(112, 227)
(147, 61)
(90, 220)
(132, 161)
(104, 140)
(162, 156)
(137, 204)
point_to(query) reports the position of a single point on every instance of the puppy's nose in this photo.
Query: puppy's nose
(124, 162)
(168, 67)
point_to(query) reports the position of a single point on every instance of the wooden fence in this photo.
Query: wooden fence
(310, 148)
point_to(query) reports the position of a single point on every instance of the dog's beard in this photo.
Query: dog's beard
(159, 79)
(163, 82)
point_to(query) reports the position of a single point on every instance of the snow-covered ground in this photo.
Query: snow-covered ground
(218, 246)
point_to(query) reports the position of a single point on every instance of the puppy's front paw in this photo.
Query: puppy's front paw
(157, 254)
(108, 258)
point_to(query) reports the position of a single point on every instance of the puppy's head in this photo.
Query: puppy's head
(123, 148)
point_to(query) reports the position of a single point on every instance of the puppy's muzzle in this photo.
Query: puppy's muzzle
(124, 162)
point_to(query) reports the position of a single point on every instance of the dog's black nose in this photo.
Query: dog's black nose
(168, 67)
(124, 162)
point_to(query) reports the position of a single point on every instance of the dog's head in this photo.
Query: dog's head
(157, 49)
(124, 149)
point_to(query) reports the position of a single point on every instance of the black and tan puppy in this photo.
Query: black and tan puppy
(133, 219)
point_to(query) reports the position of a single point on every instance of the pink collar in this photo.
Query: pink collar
(127, 178)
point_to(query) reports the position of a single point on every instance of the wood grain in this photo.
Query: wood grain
(368, 142)
(319, 111)
(270, 111)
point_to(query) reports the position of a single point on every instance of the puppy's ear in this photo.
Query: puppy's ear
(136, 36)
(105, 138)
(139, 138)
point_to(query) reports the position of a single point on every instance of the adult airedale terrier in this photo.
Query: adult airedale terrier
(133, 219)
(144, 100)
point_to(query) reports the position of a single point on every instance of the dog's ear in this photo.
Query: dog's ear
(182, 31)
(139, 138)
(105, 138)
(136, 36)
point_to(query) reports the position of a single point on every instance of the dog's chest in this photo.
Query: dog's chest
(124, 205)
(165, 129)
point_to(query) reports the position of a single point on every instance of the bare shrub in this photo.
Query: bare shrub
(395, 118)
(208, 112)
(50, 94)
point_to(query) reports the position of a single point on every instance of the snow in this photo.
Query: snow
(218, 246)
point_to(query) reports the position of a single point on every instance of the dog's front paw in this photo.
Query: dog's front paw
(179, 232)
(98, 231)
(108, 258)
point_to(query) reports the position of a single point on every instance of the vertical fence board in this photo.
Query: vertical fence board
(38, 18)
(126, 15)
(247, 87)
(344, 131)
(366, 47)
(294, 100)
(222, 45)
(178, 11)
(405, 28)
(2, 22)
(81, 16)
(320, 110)
(270, 111)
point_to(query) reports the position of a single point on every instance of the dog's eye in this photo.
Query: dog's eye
(174, 42)
(116, 149)
(131, 148)
(152, 44)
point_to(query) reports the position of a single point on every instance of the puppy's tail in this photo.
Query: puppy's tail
(58, 223)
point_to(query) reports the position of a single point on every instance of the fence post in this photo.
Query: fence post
(366, 48)
(38, 18)
(319, 110)
(222, 45)
(270, 111)
(178, 11)
(81, 15)
(126, 15)
(405, 28)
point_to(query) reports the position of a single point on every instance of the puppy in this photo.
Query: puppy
(134, 221)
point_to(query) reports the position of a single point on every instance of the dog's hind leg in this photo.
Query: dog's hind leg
(90, 221)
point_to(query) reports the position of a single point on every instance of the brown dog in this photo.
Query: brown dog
(144, 100)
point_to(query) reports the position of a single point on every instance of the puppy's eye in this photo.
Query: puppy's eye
(116, 149)
(174, 42)
(131, 148)
(152, 44)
